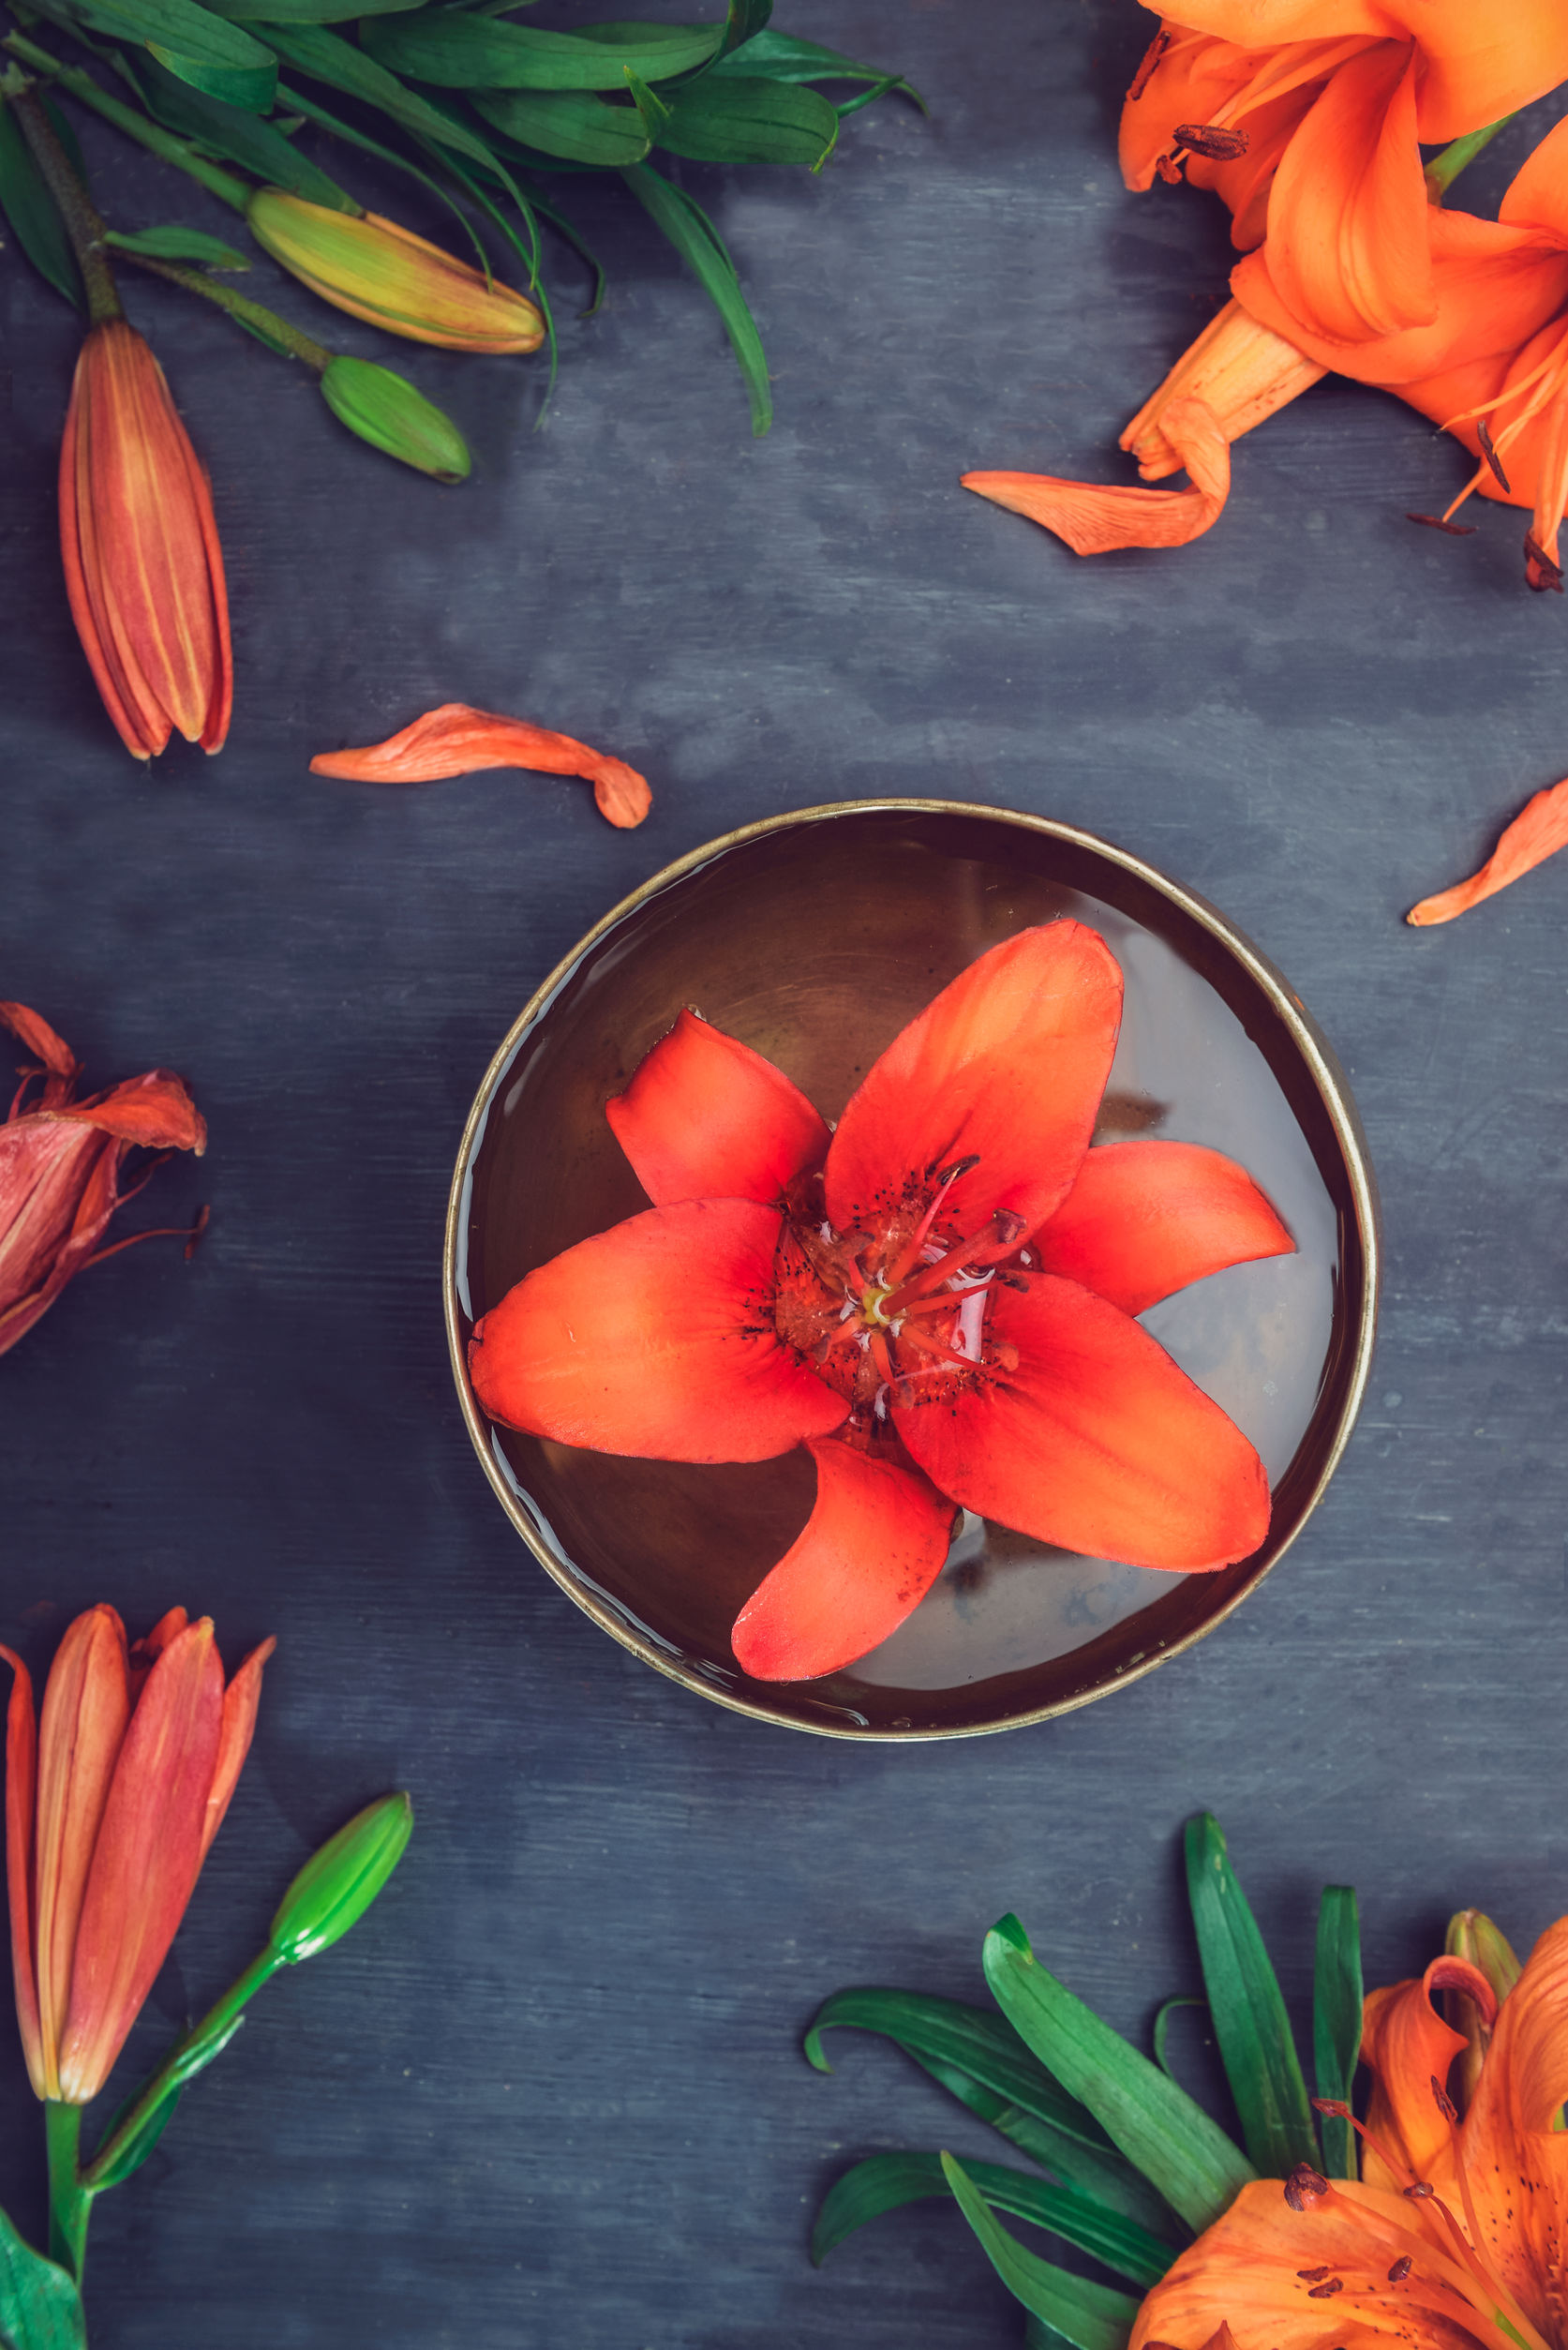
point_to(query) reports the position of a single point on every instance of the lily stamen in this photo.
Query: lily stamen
(998, 1232)
(899, 1268)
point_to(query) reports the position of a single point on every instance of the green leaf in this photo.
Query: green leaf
(235, 137)
(745, 21)
(785, 57)
(459, 51)
(310, 12)
(698, 243)
(1160, 2130)
(574, 124)
(218, 58)
(354, 137)
(174, 243)
(883, 2182)
(1104, 2176)
(654, 113)
(1090, 2316)
(1162, 2025)
(327, 57)
(30, 210)
(41, 2308)
(1249, 2020)
(1336, 1995)
(738, 121)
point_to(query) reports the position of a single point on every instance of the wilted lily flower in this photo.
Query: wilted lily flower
(60, 1167)
(112, 1799)
(375, 270)
(1453, 2234)
(936, 1298)
(143, 568)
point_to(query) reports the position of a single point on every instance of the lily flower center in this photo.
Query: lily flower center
(898, 1313)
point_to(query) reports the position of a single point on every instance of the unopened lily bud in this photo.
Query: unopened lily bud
(1472, 1936)
(377, 271)
(337, 1884)
(384, 408)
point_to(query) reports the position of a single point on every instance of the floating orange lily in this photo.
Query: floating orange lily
(112, 1800)
(60, 1162)
(936, 1298)
(1452, 2238)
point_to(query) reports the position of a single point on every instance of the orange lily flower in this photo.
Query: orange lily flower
(112, 1801)
(1236, 373)
(1305, 116)
(143, 568)
(1451, 2239)
(936, 1298)
(60, 1168)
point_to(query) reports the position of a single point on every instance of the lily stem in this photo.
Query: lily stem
(83, 222)
(1445, 169)
(276, 332)
(150, 134)
(191, 2053)
(71, 2200)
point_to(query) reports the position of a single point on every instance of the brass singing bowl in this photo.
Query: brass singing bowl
(815, 937)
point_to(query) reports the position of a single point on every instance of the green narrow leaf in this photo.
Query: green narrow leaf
(695, 239)
(459, 51)
(174, 243)
(216, 57)
(1102, 2175)
(785, 57)
(1162, 2025)
(745, 21)
(41, 2308)
(883, 2182)
(575, 125)
(652, 109)
(31, 211)
(1090, 2316)
(231, 135)
(309, 11)
(325, 56)
(1037, 2335)
(738, 121)
(1160, 2130)
(1337, 1997)
(1250, 2024)
(354, 137)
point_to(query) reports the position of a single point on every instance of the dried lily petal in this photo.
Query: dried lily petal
(60, 1168)
(1538, 831)
(458, 740)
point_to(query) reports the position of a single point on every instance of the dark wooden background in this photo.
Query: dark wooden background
(550, 2092)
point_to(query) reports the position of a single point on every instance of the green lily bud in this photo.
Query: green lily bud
(337, 1884)
(1472, 1936)
(384, 408)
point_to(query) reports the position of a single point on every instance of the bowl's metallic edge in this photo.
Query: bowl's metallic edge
(1314, 1049)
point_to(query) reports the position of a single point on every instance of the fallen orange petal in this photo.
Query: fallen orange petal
(458, 740)
(1096, 520)
(1537, 833)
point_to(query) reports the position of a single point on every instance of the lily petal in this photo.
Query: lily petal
(39, 1038)
(240, 1701)
(1096, 519)
(1517, 2161)
(86, 1709)
(1006, 1066)
(1096, 1441)
(1348, 213)
(1538, 831)
(456, 739)
(22, 1771)
(706, 1117)
(655, 1340)
(155, 1112)
(870, 1550)
(1407, 2046)
(1144, 1219)
(147, 1855)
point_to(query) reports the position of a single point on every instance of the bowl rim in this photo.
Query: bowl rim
(1310, 1043)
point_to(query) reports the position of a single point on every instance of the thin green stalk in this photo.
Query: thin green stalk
(70, 2199)
(83, 221)
(136, 126)
(178, 2065)
(265, 323)
(1445, 169)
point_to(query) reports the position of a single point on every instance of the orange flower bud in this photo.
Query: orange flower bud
(375, 270)
(143, 568)
(112, 1799)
